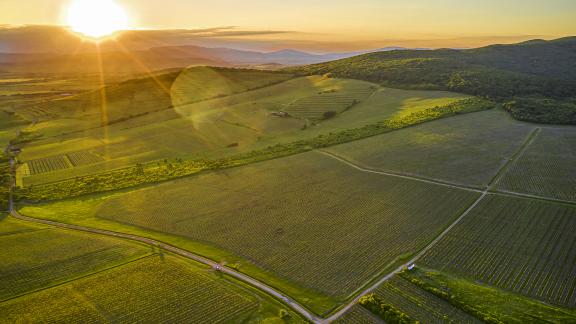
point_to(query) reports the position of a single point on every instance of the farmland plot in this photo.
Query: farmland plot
(466, 149)
(525, 246)
(326, 104)
(359, 315)
(84, 158)
(547, 168)
(286, 223)
(152, 290)
(419, 304)
(48, 164)
(29, 262)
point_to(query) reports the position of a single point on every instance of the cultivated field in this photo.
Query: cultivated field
(486, 303)
(522, 245)
(159, 289)
(468, 149)
(48, 164)
(327, 104)
(421, 305)
(547, 168)
(286, 223)
(37, 257)
(359, 315)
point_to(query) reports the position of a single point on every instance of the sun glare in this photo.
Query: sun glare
(96, 18)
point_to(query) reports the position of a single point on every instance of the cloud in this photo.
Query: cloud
(59, 39)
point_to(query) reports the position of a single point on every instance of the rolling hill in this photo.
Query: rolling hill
(522, 75)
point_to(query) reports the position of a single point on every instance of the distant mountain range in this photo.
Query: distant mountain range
(536, 79)
(53, 49)
(157, 58)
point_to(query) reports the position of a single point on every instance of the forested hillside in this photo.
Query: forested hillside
(535, 73)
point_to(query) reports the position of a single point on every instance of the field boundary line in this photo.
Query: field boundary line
(518, 154)
(387, 277)
(399, 175)
(285, 299)
(183, 253)
(148, 255)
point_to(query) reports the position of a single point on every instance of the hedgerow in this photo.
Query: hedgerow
(156, 172)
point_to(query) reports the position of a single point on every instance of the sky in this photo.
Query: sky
(325, 25)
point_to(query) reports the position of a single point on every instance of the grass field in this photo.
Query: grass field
(468, 149)
(546, 168)
(484, 302)
(421, 305)
(36, 257)
(202, 83)
(290, 228)
(9, 126)
(522, 245)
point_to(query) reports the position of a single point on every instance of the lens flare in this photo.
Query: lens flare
(96, 18)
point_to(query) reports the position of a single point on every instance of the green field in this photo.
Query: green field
(489, 304)
(235, 123)
(85, 278)
(290, 228)
(154, 290)
(359, 315)
(546, 168)
(521, 245)
(36, 257)
(468, 149)
(9, 126)
(201, 83)
(421, 305)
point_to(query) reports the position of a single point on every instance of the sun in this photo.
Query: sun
(96, 18)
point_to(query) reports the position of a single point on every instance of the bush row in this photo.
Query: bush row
(388, 313)
(453, 300)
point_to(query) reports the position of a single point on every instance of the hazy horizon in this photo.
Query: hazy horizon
(329, 26)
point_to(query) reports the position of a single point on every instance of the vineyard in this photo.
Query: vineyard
(327, 104)
(359, 315)
(31, 263)
(421, 305)
(84, 158)
(158, 289)
(255, 213)
(452, 149)
(521, 245)
(546, 168)
(135, 175)
(486, 303)
(49, 164)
